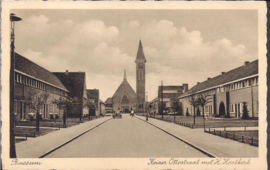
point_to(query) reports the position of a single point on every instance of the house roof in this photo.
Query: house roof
(155, 99)
(108, 101)
(140, 54)
(74, 82)
(30, 68)
(232, 75)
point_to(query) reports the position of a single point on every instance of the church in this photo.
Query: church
(125, 98)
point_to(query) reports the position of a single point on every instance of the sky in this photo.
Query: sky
(181, 46)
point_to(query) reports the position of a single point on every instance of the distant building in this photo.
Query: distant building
(109, 105)
(170, 96)
(227, 93)
(125, 97)
(28, 77)
(94, 94)
(154, 106)
(102, 108)
(75, 82)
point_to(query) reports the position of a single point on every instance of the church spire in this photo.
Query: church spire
(140, 55)
(125, 76)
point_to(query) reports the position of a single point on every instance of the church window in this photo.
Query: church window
(125, 100)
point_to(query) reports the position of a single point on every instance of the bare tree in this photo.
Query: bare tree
(36, 101)
(193, 101)
(203, 100)
(63, 103)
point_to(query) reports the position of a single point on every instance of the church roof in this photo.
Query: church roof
(140, 54)
(124, 85)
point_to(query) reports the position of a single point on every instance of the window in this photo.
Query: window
(248, 82)
(21, 79)
(206, 108)
(232, 108)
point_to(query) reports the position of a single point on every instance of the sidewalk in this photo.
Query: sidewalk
(214, 145)
(35, 147)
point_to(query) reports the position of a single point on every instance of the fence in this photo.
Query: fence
(57, 123)
(234, 136)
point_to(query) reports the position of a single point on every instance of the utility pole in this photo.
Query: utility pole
(162, 99)
(12, 150)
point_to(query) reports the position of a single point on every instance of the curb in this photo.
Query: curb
(70, 140)
(188, 143)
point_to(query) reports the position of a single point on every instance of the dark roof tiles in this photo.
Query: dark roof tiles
(30, 68)
(232, 75)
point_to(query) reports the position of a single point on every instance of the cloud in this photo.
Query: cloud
(174, 54)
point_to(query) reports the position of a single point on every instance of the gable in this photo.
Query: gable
(123, 89)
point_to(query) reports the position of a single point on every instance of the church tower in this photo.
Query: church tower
(140, 78)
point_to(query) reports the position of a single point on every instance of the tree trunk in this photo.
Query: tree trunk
(203, 118)
(65, 117)
(194, 108)
(37, 121)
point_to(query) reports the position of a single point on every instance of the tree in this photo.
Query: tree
(203, 100)
(193, 102)
(245, 111)
(36, 100)
(90, 104)
(150, 106)
(63, 103)
(187, 113)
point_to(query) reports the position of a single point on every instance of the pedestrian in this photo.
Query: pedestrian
(147, 116)
(132, 113)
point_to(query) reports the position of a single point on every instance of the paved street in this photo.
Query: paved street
(126, 137)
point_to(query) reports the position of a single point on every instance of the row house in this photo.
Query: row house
(31, 77)
(227, 92)
(75, 83)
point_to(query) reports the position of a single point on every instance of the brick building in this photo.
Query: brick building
(75, 83)
(227, 93)
(29, 77)
(170, 98)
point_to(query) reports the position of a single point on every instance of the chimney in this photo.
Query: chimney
(222, 73)
(185, 87)
(246, 62)
(208, 78)
(66, 73)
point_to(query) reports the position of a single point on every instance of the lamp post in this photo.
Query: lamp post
(162, 98)
(12, 150)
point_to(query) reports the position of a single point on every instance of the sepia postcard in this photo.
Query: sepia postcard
(133, 85)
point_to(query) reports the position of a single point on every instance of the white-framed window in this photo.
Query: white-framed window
(232, 108)
(206, 108)
(241, 107)
(21, 79)
(222, 89)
